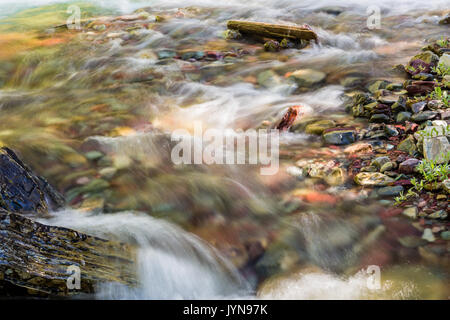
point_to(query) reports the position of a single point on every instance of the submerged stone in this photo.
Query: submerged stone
(373, 179)
(319, 126)
(307, 77)
(339, 136)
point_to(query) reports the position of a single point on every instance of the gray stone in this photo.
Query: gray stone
(339, 137)
(307, 77)
(418, 106)
(390, 191)
(403, 116)
(436, 149)
(423, 116)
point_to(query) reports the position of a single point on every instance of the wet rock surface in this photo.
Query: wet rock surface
(35, 259)
(21, 190)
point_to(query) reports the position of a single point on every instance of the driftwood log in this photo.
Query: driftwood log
(35, 259)
(273, 31)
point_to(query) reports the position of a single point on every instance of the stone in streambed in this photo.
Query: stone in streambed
(336, 177)
(446, 185)
(359, 148)
(422, 62)
(379, 118)
(387, 167)
(410, 212)
(402, 117)
(380, 161)
(420, 87)
(428, 235)
(377, 85)
(423, 76)
(440, 214)
(372, 179)
(307, 77)
(412, 242)
(423, 116)
(339, 136)
(436, 149)
(166, 54)
(408, 166)
(418, 106)
(445, 60)
(268, 79)
(390, 191)
(445, 235)
(408, 145)
(272, 46)
(319, 126)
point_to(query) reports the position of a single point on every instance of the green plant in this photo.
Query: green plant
(440, 94)
(441, 70)
(431, 172)
(443, 43)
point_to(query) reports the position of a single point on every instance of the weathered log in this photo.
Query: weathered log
(274, 31)
(23, 191)
(35, 258)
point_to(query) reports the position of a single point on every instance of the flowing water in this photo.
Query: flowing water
(93, 111)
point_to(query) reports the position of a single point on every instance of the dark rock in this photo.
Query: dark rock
(408, 145)
(380, 117)
(418, 106)
(445, 20)
(272, 46)
(21, 190)
(408, 166)
(339, 136)
(390, 191)
(422, 63)
(423, 116)
(420, 87)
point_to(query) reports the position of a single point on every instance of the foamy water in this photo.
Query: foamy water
(172, 263)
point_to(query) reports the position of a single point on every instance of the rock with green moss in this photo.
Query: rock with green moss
(319, 126)
(408, 145)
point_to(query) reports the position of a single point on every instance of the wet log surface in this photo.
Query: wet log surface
(274, 31)
(23, 191)
(36, 257)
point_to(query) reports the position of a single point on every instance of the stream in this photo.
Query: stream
(93, 112)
